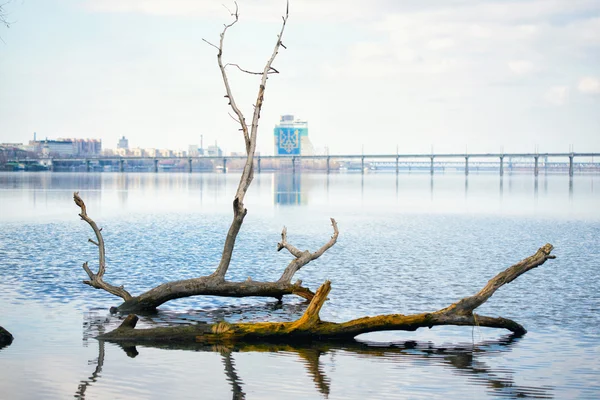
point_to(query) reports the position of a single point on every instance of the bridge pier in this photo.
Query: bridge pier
(155, 165)
(258, 164)
(466, 165)
(362, 165)
(293, 165)
(190, 165)
(397, 164)
(87, 165)
(431, 166)
(224, 165)
(121, 165)
(571, 164)
(536, 170)
(501, 165)
(327, 164)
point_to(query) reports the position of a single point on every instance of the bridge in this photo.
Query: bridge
(432, 162)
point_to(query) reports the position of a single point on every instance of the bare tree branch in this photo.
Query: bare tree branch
(3, 15)
(215, 46)
(271, 71)
(239, 212)
(96, 280)
(303, 257)
(285, 245)
(234, 118)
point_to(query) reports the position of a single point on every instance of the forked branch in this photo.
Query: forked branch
(303, 257)
(96, 280)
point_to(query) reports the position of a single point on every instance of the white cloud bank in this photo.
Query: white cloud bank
(589, 85)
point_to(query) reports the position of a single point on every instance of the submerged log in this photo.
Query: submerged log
(310, 327)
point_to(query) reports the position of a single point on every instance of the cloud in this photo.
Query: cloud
(557, 95)
(589, 85)
(521, 67)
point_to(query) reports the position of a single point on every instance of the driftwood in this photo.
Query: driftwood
(215, 284)
(310, 327)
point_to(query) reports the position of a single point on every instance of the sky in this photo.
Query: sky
(368, 76)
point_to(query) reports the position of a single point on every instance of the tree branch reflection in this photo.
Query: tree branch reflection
(465, 359)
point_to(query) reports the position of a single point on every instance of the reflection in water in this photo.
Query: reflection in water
(431, 188)
(570, 188)
(232, 376)
(123, 186)
(288, 189)
(466, 359)
(362, 187)
(535, 189)
(84, 384)
(501, 187)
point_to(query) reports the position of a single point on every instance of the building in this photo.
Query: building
(87, 147)
(214, 151)
(60, 147)
(123, 143)
(193, 150)
(138, 152)
(291, 137)
(66, 147)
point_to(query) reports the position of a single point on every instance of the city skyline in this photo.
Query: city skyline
(457, 75)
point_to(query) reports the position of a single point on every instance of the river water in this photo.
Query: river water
(408, 243)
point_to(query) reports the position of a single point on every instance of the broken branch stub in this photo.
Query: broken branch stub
(310, 326)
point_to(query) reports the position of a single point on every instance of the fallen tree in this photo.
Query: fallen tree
(215, 284)
(311, 327)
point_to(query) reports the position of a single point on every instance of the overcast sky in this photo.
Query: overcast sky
(453, 74)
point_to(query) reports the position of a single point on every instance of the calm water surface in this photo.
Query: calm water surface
(408, 243)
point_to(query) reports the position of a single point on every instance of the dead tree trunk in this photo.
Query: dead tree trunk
(310, 326)
(215, 284)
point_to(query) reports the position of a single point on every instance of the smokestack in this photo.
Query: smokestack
(34, 136)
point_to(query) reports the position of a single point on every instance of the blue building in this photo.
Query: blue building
(291, 137)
